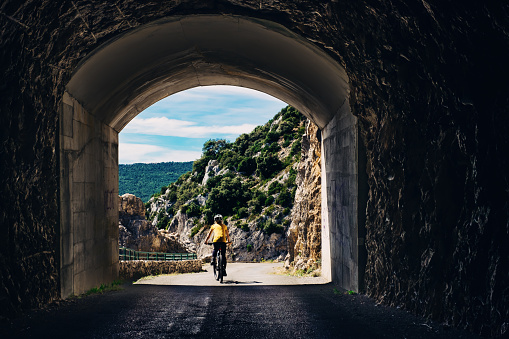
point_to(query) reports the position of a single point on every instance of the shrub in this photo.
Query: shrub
(269, 200)
(243, 226)
(208, 216)
(196, 229)
(285, 128)
(274, 187)
(267, 165)
(284, 198)
(162, 221)
(212, 148)
(247, 165)
(296, 146)
(273, 148)
(200, 164)
(213, 181)
(243, 212)
(231, 193)
(191, 209)
(172, 195)
(291, 177)
(270, 227)
(271, 137)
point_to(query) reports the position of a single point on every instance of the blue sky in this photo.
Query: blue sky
(175, 128)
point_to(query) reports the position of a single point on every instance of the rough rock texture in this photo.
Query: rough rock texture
(428, 82)
(304, 234)
(136, 269)
(136, 233)
(254, 245)
(211, 170)
(261, 245)
(182, 226)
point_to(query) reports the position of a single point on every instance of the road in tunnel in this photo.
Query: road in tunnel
(261, 310)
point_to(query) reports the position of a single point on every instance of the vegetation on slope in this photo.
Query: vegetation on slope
(256, 181)
(143, 180)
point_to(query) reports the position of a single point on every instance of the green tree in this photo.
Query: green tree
(212, 147)
(267, 165)
(247, 165)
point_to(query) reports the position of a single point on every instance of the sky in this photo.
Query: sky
(175, 128)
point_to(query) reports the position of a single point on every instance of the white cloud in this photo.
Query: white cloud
(179, 128)
(142, 153)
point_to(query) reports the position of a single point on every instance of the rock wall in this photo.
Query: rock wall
(136, 269)
(253, 245)
(428, 83)
(136, 233)
(304, 234)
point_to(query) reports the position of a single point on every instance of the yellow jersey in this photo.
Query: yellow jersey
(219, 232)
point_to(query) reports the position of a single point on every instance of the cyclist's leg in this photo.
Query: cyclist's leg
(217, 247)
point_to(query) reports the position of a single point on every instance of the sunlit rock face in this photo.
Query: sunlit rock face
(304, 234)
(428, 83)
(136, 233)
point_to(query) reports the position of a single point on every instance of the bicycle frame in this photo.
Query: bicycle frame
(217, 264)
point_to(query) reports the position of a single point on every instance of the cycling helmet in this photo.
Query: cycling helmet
(218, 216)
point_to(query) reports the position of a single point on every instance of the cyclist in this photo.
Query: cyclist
(221, 237)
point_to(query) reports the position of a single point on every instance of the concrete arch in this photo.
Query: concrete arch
(131, 72)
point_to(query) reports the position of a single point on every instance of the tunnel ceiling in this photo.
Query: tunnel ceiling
(131, 72)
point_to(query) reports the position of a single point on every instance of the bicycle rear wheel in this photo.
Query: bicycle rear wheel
(215, 267)
(219, 266)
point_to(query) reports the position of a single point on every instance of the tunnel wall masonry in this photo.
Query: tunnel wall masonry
(427, 82)
(89, 219)
(340, 201)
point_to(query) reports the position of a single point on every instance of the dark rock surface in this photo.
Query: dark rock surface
(428, 83)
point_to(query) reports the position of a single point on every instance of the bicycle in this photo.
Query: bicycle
(217, 265)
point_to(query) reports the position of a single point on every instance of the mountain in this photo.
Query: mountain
(251, 182)
(144, 180)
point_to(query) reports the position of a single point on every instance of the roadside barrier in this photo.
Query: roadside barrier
(126, 254)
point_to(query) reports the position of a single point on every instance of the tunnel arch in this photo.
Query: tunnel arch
(136, 69)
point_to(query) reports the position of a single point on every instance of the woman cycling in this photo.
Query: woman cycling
(221, 237)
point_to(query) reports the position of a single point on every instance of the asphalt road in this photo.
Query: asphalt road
(252, 303)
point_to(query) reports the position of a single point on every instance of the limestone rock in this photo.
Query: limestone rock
(135, 232)
(129, 204)
(211, 170)
(304, 234)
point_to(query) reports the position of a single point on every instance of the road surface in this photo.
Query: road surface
(252, 303)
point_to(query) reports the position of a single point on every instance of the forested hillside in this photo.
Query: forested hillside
(250, 181)
(143, 180)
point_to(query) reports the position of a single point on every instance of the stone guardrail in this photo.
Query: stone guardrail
(136, 269)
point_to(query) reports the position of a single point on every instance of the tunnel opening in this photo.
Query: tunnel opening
(132, 71)
(236, 139)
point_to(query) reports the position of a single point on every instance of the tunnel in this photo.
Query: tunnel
(131, 72)
(411, 98)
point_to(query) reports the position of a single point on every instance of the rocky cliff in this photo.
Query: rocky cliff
(136, 233)
(304, 234)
